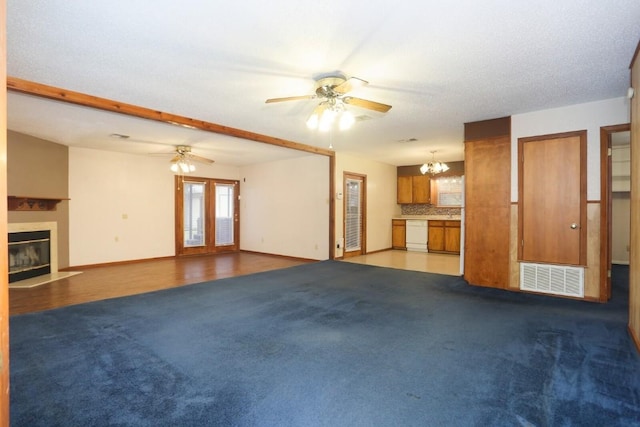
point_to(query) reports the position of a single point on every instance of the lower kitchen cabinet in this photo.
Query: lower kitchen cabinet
(399, 234)
(444, 236)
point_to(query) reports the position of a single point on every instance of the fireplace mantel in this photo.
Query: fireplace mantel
(24, 203)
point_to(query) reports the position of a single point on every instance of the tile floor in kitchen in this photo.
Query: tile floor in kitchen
(407, 260)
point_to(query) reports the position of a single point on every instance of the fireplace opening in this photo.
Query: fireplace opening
(29, 254)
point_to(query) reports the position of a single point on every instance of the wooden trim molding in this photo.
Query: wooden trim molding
(50, 92)
(38, 89)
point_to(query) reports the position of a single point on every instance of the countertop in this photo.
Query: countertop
(430, 217)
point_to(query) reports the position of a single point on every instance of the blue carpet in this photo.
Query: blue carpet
(328, 344)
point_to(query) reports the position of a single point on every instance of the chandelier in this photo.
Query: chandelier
(433, 167)
(327, 113)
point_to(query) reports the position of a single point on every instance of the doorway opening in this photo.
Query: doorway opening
(615, 201)
(355, 213)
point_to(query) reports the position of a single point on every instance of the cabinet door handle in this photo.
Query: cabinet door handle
(574, 226)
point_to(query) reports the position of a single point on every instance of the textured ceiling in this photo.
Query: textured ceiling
(439, 64)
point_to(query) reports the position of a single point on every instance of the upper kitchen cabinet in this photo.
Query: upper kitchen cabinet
(414, 189)
(405, 189)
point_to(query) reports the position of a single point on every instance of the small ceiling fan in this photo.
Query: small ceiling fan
(333, 90)
(183, 160)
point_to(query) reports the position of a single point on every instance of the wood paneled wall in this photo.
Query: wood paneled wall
(634, 254)
(487, 203)
(4, 273)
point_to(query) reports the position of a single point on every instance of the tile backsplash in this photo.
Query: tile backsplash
(423, 209)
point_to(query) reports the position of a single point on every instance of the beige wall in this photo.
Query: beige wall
(122, 205)
(285, 207)
(39, 168)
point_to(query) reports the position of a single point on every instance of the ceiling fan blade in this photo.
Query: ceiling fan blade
(350, 84)
(289, 98)
(364, 103)
(199, 159)
(175, 158)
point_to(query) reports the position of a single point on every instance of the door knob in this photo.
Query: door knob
(574, 226)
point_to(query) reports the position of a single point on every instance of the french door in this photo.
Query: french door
(354, 214)
(207, 215)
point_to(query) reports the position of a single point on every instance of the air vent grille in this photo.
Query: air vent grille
(552, 279)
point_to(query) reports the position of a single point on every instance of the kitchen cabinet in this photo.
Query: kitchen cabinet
(405, 190)
(414, 189)
(444, 236)
(398, 234)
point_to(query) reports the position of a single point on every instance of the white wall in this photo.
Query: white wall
(590, 116)
(284, 207)
(381, 199)
(122, 205)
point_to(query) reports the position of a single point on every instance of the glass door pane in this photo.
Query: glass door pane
(224, 214)
(194, 217)
(353, 213)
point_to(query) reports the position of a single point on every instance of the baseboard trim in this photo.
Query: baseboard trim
(114, 263)
(281, 256)
(136, 261)
(379, 250)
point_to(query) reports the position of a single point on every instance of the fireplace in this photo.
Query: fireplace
(29, 254)
(33, 254)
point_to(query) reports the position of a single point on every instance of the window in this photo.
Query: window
(448, 191)
(193, 214)
(224, 214)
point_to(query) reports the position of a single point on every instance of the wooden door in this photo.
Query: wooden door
(552, 192)
(207, 215)
(354, 214)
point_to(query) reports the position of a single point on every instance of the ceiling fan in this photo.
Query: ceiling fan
(333, 90)
(182, 160)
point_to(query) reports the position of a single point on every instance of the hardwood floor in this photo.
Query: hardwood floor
(111, 281)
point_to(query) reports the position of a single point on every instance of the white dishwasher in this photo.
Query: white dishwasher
(417, 235)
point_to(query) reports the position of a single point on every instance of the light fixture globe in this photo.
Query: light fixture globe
(433, 167)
